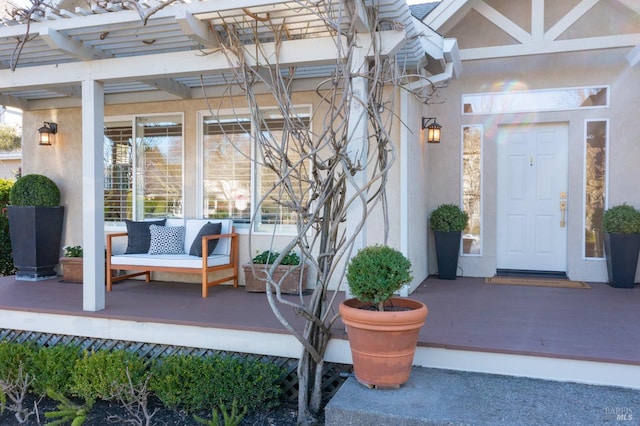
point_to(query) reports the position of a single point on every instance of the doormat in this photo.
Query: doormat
(538, 282)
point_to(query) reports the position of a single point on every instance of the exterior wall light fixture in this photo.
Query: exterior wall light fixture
(433, 129)
(48, 133)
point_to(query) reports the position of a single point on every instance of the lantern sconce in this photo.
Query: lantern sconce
(433, 129)
(47, 133)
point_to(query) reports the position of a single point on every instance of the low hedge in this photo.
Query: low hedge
(187, 382)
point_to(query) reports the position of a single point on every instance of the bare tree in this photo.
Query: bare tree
(329, 178)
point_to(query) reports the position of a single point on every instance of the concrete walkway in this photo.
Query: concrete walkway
(445, 397)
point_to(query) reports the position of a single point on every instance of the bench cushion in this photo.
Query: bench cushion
(139, 237)
(168, 260)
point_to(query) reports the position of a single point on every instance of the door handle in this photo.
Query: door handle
(563, 212)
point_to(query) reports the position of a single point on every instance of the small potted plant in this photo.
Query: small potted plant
(35, 225)
(621, 225)
(447, 222)
(290, 273)
(72, 264)
(382, 329)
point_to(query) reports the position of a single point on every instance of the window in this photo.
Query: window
(472, 188)
(233, 184)
(143, 167)
(535, 100)
(595, 186)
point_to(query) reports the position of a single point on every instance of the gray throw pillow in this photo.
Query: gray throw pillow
(208, 229)
(139, 237)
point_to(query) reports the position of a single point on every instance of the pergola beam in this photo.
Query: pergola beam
(196, 29)
(58, 41)
(170, 86)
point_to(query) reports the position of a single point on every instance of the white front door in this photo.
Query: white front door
(532, 197)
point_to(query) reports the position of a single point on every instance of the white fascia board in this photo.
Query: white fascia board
(558, 46)
(291, 53)
(443, 12)
(165, 65)
(634, 56)
(452, 56)
(430, 40)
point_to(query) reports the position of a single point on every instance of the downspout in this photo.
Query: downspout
(404, 181)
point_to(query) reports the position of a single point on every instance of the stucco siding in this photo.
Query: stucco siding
(601, 68)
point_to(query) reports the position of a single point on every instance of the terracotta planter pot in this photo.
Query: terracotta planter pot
(255, 275)
(383, 343)
(71, 269)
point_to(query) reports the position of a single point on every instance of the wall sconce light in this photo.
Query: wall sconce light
(433, 129)
(47, 133)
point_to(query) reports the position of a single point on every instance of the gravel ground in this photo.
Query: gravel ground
(104, 413)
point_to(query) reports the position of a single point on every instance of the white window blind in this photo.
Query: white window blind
(145, 179)
(228, 147)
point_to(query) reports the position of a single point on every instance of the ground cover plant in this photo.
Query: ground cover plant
(60, 385)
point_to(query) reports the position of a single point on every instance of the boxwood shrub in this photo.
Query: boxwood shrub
(200, 383)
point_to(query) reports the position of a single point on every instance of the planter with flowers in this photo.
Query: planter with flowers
(72, 264)
(290, 273)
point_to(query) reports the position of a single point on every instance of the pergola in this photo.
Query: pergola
(159, 51)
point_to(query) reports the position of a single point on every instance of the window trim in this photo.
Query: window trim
(535, 91)
(132, 119)
(230, 112)
(482, 133)
(584, 181)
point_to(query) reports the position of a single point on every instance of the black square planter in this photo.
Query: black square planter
(35, 241)
(621, 251)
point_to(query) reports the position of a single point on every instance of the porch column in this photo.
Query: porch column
(358, 132)
(93, 289)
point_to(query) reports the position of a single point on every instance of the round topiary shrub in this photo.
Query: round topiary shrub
(376, 273)
(35, 190)
(448, 217)
(621, 219)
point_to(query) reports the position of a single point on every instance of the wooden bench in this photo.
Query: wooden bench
(224, 256)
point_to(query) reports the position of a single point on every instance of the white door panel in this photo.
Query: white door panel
(532, 182)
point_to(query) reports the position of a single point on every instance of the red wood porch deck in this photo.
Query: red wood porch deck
(599, 324)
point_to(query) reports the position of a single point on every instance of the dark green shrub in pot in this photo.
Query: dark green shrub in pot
(621, 225)
(35, 190)
(621, 219)
(376, 273)
(447, 222)
(448, 217)
(382, 329)
(35, 224)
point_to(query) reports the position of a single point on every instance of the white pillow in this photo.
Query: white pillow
(166, 239)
